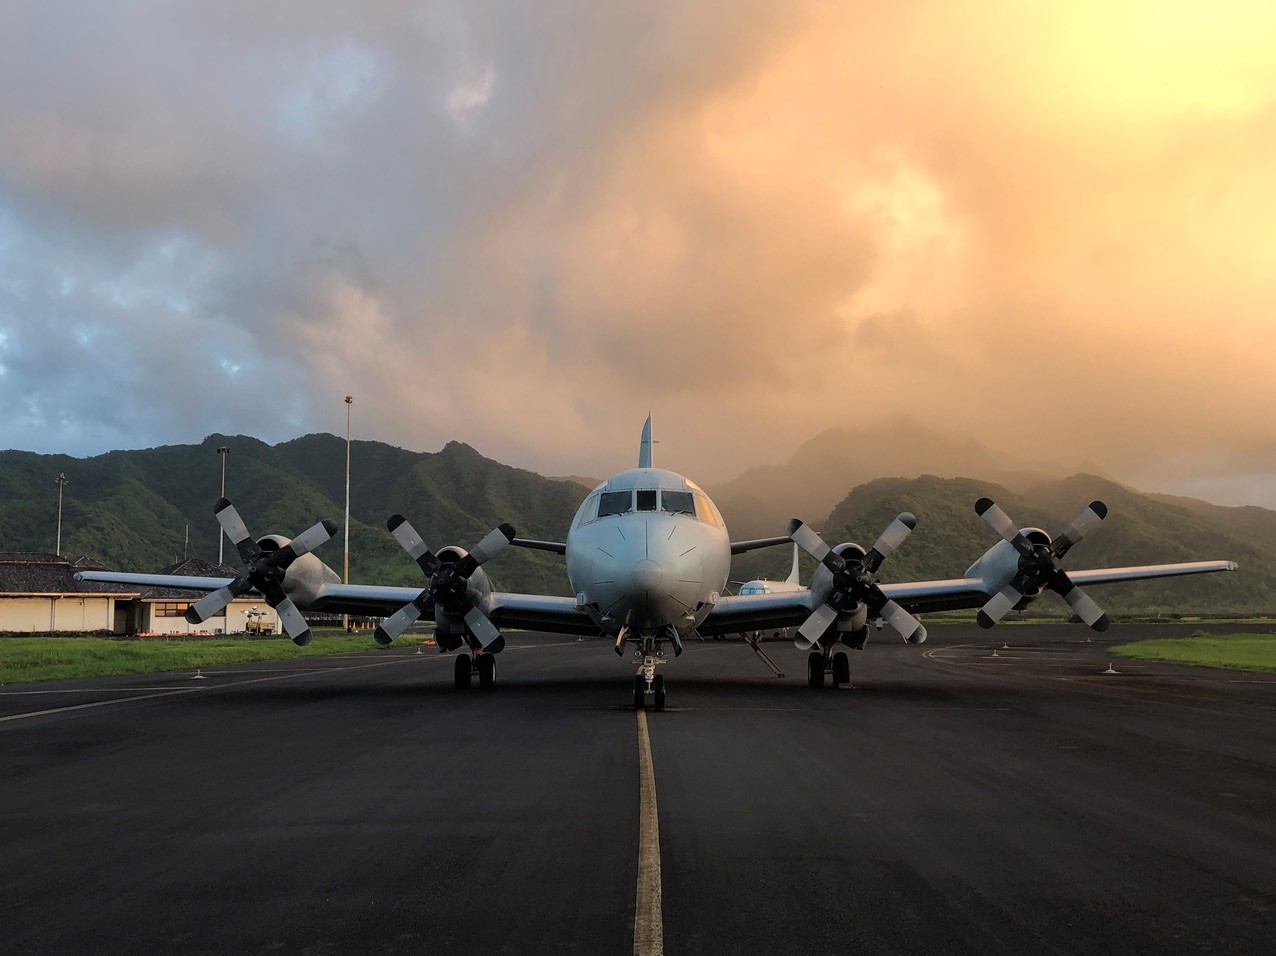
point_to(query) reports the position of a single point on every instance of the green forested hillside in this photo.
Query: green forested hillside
(1140, 529)
(130, 509)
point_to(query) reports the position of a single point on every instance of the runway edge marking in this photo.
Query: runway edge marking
(649, 930)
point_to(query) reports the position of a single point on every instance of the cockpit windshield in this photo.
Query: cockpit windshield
(605, 504)
(677, 502)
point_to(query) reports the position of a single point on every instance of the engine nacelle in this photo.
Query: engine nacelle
(1000, 563)
(304, 576)
(451, 630)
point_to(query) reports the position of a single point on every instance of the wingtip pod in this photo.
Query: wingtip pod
(1233, 566)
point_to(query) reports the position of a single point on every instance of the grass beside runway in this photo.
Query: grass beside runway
(28, 659)
(1250, 652)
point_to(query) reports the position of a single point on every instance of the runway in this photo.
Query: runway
(949, 801)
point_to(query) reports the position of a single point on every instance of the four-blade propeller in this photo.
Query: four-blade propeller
(265, 572)
(1039, 565)
(853, 580)
(448, 585)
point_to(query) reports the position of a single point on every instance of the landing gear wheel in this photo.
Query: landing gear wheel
(487, 670)
(815, 669)
(463, 664)
(658, 691)
(841, 669)
(640, 692)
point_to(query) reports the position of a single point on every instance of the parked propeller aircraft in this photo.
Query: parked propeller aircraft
(647, 558)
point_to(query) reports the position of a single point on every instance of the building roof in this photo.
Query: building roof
(191, 567)
(25, 573)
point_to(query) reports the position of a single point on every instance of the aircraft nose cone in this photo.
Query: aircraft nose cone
(647, 574)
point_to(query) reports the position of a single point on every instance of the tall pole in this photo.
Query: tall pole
(345, 573)
(221, 535)
(61, 479)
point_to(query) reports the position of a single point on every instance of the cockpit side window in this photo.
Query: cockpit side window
(615, 503)
(677, 503)
(706, 511)
(647, 500)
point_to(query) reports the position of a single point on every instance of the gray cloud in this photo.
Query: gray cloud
(523, 225)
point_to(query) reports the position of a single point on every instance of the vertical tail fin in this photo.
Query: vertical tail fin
(644, 449)
(793, 575)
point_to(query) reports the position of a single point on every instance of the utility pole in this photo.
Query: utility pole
(221, 535)
(61, 479)
(345, 573)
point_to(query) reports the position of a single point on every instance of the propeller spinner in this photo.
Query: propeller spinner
(853, 580)
(265, 572)
(1039, 565)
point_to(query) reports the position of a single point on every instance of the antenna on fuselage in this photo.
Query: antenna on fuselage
(644, 449)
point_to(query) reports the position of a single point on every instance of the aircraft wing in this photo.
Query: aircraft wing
(539, 612)
(557, 547)
(756, 612)
(184, 582)
(1112, 575)
(739, 547)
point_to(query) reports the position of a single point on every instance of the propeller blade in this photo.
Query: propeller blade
(213, 603)
(412, 543)
(304, 543)
(896, 616)
(293, 622)
(1081, 603)
(486, 549)
(400, 621)
(999, 606)
(1000, 522)
(1089, 519)
(813, 627)
(236, 530)
(889, 540)
(810, 542)
(481, 627)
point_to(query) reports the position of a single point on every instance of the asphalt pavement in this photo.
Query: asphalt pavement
(962, 796)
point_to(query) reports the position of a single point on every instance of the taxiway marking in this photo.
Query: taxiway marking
(649, 932)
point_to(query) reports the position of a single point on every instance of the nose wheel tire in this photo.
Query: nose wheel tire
(487, 670)
(463, 671)
(841, 669)
(815, 669)
(640, 692)
(658, 692)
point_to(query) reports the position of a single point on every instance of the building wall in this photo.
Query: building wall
(234, 621)
(73, 614)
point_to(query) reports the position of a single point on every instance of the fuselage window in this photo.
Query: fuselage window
(589, 511)
(754, 589)
(647, 500)
(677, 502)
(615, 503)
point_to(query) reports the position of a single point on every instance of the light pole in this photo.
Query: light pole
(221, 535)
(61, 479)
(345, 571)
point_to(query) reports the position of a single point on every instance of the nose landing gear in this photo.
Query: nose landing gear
(647, 683)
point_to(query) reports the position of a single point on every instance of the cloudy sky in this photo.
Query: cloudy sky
(523, 224)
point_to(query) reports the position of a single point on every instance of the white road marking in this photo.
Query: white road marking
(203, 688)
(649, 930)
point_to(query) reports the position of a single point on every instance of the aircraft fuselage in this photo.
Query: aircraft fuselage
(648, 552)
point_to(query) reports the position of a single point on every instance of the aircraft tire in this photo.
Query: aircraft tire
(841, 669)
(487, 671)
(463, 672)
(658, 692)
(815, 669)
(640, 692)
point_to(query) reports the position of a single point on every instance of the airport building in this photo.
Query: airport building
(40, 595)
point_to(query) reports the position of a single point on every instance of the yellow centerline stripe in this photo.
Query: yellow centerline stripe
(649, 930)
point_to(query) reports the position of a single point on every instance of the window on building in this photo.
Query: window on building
(171, 608)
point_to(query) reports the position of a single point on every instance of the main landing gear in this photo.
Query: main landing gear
(482, 666)
(820, 663)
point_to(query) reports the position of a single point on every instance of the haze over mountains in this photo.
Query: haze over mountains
(132, 509)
